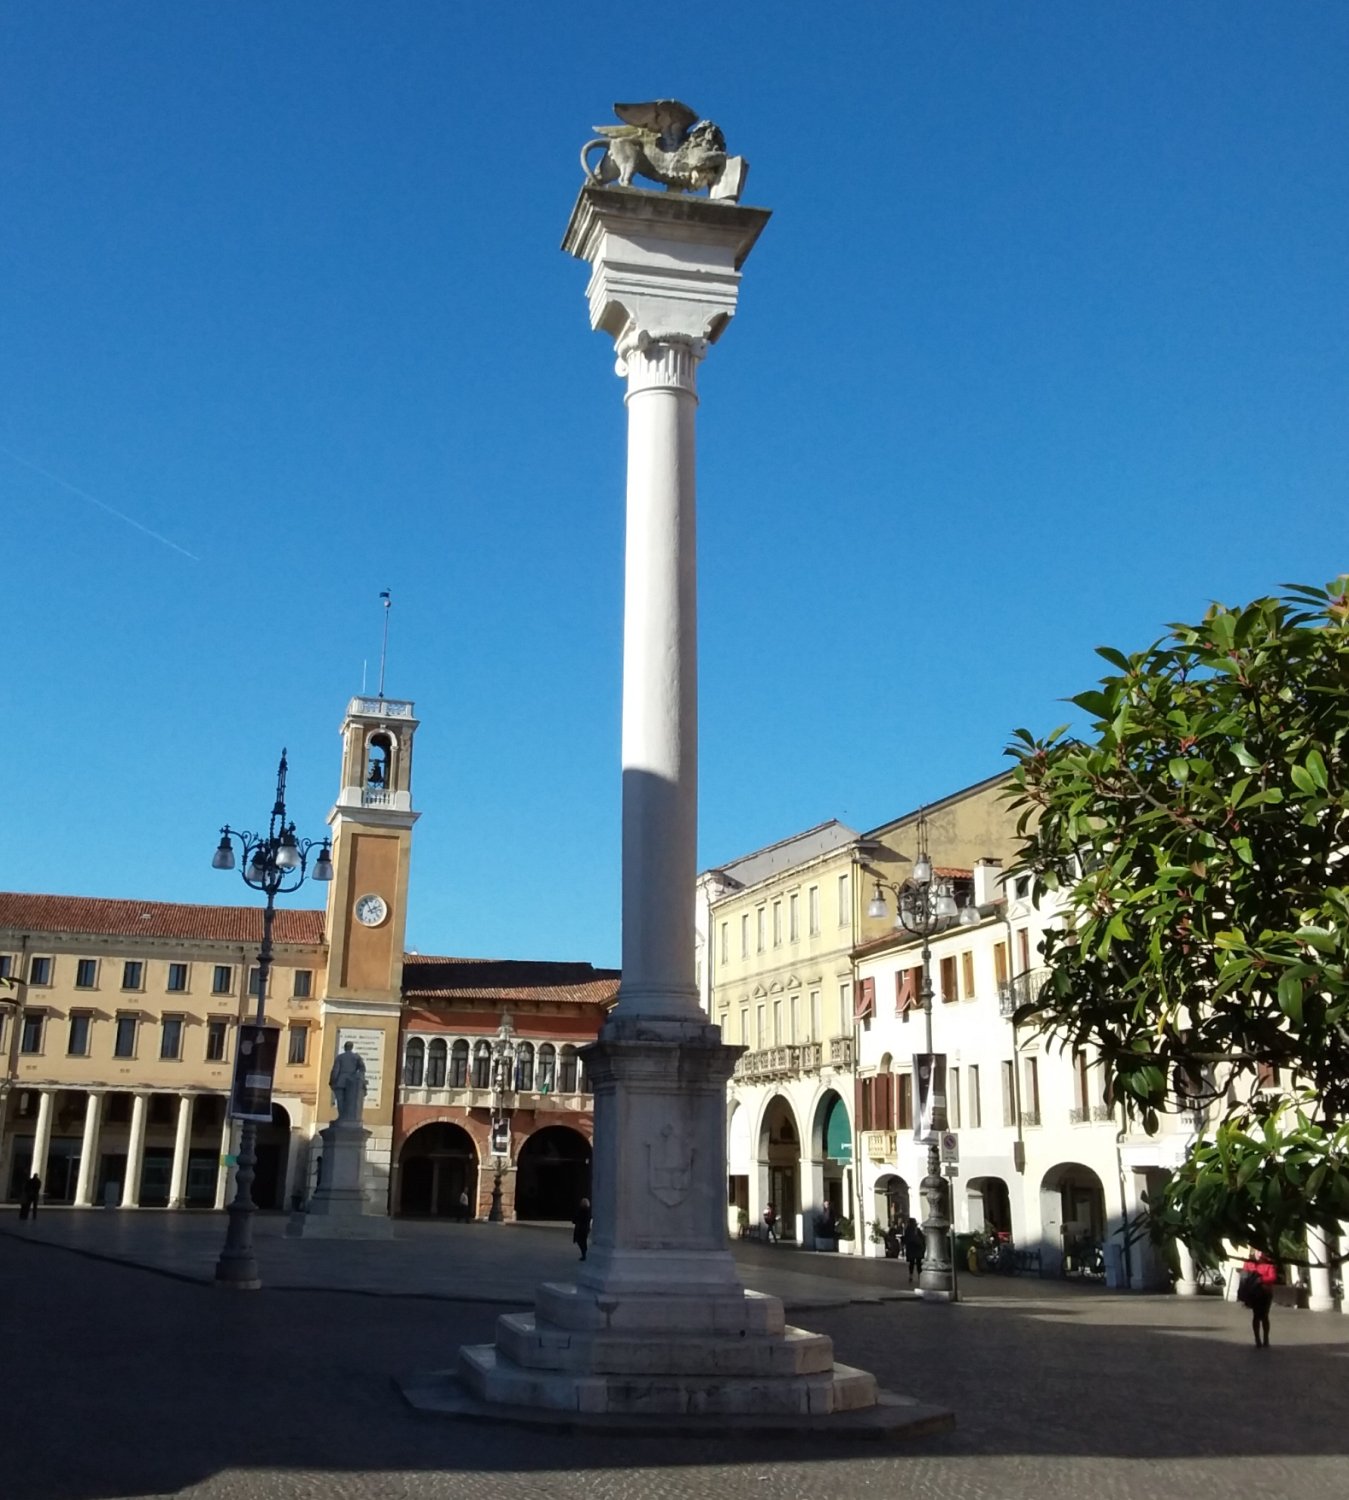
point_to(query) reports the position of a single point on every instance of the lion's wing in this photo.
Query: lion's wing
(659, 115)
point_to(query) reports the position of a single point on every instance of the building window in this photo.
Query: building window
(254, 976)
(482, 1066)
(1009, 1093)
(744, 935)
(948, 980)
(524, 1068)
(844, 1010)
(744, 1027)
(124, 1044)
(78, 1045)
(1023, 948)
(844, 901)
(31, 1040)
(297, 1045)
(1000, 962)
(761, 926)
(725, 942)
(813, 910)
(547, 1068)
(222, 981)
(777, 924)
(302, 984)
(1030, 1103)
(177, 978)
(459, 1065)
(815, 1016)
(794, 917)
(6, 966)
(792, 1018)
(39, 971)
(904, 1101)
(1081, 1086)
(976, 1109)
(967, 973)
(414, 1062)
(437, 1055)
(567, 1071)
(171, 1038)
(86, 973)
(953, 1098)
(777, 1023)
(133, 974)
(215, 1041)
(759, 1025)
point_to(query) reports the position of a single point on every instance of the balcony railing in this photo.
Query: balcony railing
(1030, 1118)
(840, 1052)
(1020, 990)
(1102, 1112)
(376, 796)
(769, 1062)
(879, 1145)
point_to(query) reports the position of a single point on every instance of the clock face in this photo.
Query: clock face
(371, 910)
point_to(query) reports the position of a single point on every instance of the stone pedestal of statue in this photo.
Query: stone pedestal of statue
(339, 1208)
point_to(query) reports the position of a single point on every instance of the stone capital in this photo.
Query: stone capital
(663, 265)
(651, 364)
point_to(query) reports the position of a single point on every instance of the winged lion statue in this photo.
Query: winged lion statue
(664, 141)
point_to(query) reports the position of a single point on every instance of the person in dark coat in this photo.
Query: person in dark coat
(1256, 1290)
(915, 1247)
(581, 1227)
(29, 1197)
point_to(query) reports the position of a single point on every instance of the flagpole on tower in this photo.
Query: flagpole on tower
(384, 648)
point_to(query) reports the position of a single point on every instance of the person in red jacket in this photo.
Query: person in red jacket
(1256, 1290)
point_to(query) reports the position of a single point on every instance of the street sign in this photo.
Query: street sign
(952, 1170)
(950, 1147)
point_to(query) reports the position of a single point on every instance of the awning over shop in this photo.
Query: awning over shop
(838, 1133)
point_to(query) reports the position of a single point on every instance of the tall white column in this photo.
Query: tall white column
(42, 1134)
(1319, 1298)
(135, 1153)
(1187, 1284)
(224, 1171)
(181, 1143)
(87, 1180)
(660, 680)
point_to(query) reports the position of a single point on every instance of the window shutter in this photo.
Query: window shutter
(865, 999)
(906, 996)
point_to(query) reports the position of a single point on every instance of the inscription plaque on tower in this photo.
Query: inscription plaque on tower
(368, 1043)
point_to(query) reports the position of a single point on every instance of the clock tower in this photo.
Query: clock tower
(367, 912)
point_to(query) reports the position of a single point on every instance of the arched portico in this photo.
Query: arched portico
(779, 1166)
(552, 1174)
(831, 1157)
(1072, 1216)
(436, 1164)
(988, 1205)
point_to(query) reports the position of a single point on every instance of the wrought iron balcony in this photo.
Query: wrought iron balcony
(1030, 1118)
(1021, 989)
(1079, 1115)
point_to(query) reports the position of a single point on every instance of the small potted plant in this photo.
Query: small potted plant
(886, 1235)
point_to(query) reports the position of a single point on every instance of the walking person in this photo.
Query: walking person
(580, 1232)
(1256, 1291)
(29, 1196)
(915, 1247)
(770, 1223)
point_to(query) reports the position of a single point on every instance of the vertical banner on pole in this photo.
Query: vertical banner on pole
(929, 1072)
(254, 1070)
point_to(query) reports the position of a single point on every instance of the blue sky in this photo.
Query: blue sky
(1044, 346)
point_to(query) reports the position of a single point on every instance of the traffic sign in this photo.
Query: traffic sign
(950, 1147)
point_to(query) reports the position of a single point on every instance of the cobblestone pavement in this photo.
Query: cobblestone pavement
(124, 1383)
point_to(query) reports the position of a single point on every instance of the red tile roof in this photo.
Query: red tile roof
(107, 917)
(498, 979)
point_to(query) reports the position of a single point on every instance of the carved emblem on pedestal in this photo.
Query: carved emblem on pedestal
(670, 1166)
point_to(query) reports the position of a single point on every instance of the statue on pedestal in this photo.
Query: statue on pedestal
(666, 142)
(347, 1081)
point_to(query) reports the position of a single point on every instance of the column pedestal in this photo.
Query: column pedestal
(1187, 1283)
(339, 1210)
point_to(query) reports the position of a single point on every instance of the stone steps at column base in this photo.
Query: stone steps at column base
(730, 1314)
(489, 1375)
(893, 1417)
(525, 1340)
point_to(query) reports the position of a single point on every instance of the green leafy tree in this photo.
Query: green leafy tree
(1199, 845)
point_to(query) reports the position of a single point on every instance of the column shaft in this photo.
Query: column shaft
(87, 1180)
(42, 1135)
(135, 1153)
(181, 1143)
(660, 687)
(1319, 1298)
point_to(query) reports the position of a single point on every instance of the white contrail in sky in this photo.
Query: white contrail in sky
(94, 500)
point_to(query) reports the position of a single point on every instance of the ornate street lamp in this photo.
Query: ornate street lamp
(275, 863)
(504, 1047)
(924, 906)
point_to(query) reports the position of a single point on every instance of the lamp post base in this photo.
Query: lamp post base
(494, 1215)
(936, 1281)
(238, 1265)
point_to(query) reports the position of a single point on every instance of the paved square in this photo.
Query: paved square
(130, 1383)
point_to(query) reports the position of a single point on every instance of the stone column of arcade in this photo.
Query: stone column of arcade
(658, 1323)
